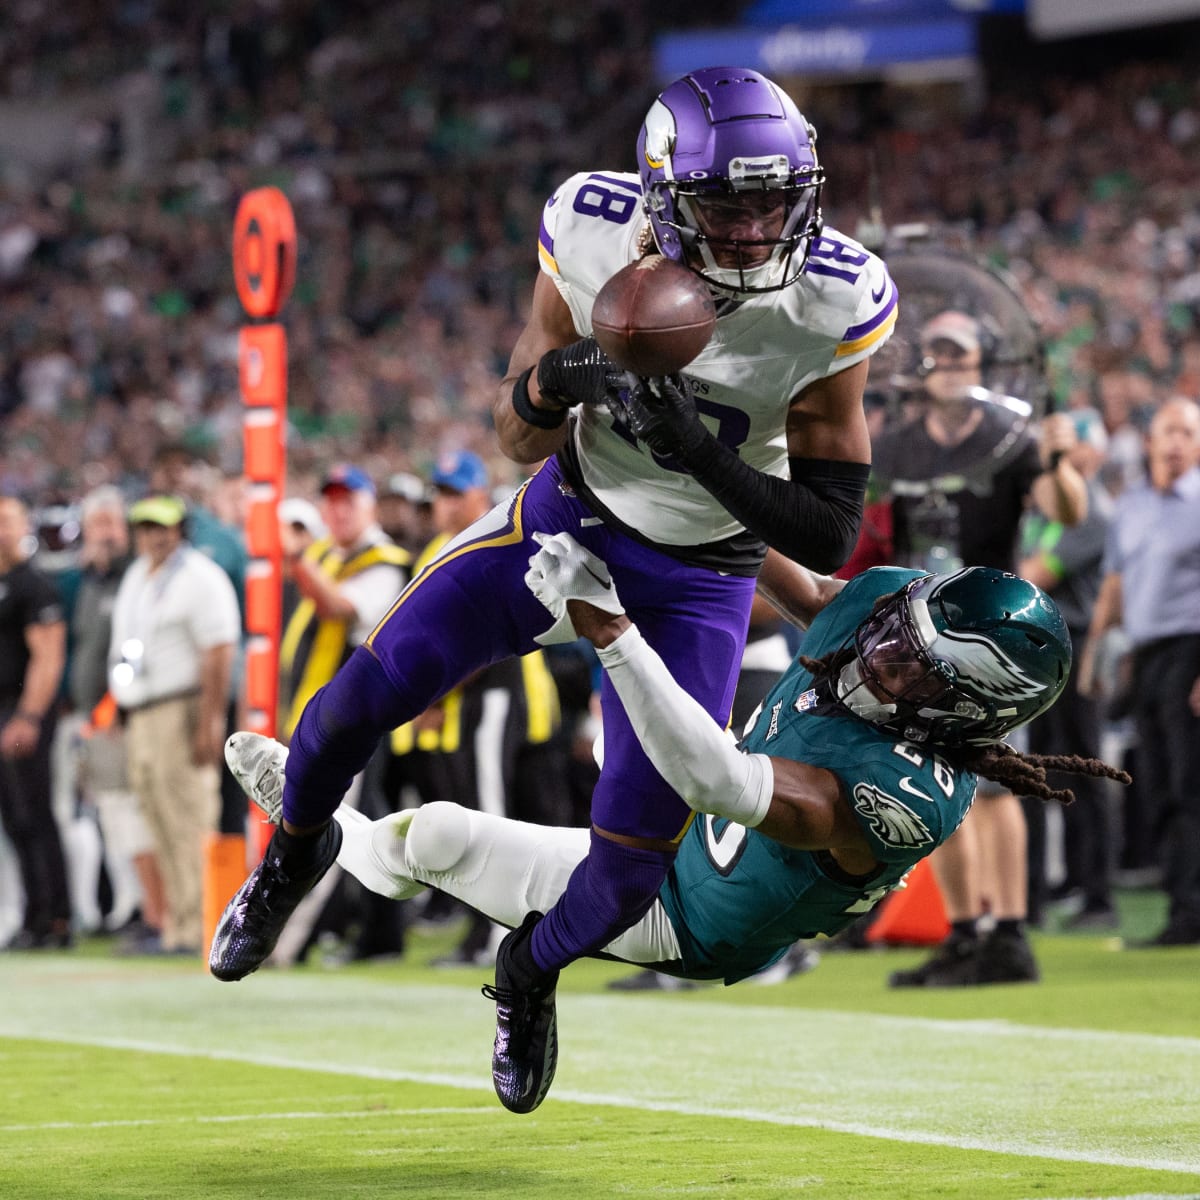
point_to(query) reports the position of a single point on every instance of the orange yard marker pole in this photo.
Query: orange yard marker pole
(264, 269)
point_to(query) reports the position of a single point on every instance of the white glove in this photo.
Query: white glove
(563, 570)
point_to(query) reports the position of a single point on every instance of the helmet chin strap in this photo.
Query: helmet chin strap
(734, 282)
(737, 283)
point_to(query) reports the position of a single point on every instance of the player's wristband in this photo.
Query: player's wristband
(543, 418)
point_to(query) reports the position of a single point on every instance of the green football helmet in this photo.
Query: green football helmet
(958, 660)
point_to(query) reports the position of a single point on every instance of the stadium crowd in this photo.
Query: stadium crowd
(417, 167)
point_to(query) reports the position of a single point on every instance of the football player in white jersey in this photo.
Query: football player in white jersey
(678, 486)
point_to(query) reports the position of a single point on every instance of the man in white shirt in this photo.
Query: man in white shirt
(175, 627)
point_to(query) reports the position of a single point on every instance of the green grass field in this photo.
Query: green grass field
(143, 1079)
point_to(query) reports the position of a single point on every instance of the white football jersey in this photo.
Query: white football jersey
(765, 350)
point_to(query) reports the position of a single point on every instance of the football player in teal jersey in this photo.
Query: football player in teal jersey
(861, 760)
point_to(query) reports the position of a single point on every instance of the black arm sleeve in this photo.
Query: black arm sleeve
(812, 518)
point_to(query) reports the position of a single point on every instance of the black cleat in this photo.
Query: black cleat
(1178, 932)
(1007, 958)
(1001, 957)
(253, 920)
(526, 1049)
(955, 963)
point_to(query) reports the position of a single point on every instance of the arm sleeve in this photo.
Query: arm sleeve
(812, 518)
(687, 747)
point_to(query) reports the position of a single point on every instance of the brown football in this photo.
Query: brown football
(653, 316)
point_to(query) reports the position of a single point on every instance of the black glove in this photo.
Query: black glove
(575, 374)
(662, 413)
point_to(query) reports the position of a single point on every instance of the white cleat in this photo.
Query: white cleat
(372, 851)
(257, 763)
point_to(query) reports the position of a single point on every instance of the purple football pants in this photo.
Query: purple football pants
(470, 607)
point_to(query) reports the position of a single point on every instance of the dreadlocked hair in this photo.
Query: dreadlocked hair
(1022, 773)
(1025, 774)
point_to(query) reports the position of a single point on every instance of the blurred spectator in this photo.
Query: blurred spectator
(1151, 586)
(1065, 562)
(177, 470)
(406, 511)
(175, 629)
(1125, 425)
(304, 526)
(346, 581)
(959, 474)
(101, 771)
(32, 653)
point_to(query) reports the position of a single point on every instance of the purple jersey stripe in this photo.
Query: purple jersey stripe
(544, 239)
(857, 331)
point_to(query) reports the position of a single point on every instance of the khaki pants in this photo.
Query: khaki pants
(181, 803)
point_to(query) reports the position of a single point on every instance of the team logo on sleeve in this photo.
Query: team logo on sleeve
(892, 822)
(773, 728)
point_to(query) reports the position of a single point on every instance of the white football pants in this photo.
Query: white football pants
(501, 867)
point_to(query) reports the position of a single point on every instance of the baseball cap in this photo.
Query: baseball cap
(407, 486)
(347, 477)
(167, 511)
(297, 511)
(954, 327)
(459, 470)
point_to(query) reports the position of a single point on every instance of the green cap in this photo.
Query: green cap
(158, 510)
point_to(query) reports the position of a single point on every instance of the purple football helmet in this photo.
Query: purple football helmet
(730, 179)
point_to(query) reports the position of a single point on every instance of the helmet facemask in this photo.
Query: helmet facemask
(747, 236)
(895, 681)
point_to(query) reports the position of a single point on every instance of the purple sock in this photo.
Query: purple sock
(607, 893)
(336, 735)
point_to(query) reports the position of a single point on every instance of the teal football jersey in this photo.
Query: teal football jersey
(736, 898)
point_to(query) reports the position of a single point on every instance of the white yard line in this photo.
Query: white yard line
(1072, 1095)
(255, 1118)
(1016, 1147)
